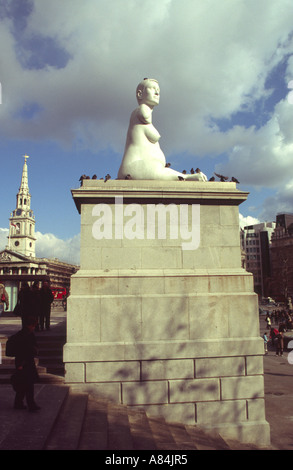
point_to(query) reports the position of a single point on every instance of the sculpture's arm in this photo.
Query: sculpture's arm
(144, 114)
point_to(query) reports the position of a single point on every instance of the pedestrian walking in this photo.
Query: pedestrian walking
(273, 336)
(268, 320)
(4, 299)
(280, 344)
(26, 374)
(265, 338)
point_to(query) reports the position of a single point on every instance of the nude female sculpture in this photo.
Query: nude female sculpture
(143, 158)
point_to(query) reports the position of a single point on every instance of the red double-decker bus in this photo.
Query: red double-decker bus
(59, 293)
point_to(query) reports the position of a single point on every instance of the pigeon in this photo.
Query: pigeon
(83, 177)
(235, 180)
(94, 177)
(167, 165)
(212, 178)
(222, 178)
(180, 178)
(184, 172)
(107, 177)
(128, 177)
(192, 171)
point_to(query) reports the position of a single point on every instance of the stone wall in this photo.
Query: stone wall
(173, 331)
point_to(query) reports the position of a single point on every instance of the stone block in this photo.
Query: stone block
(89, 283)
(112, 257)
(145, 393)
(121, 319)
(91, 258)
(210, 311)
(219, 367)
(229, 215)
(254, 365)
(112, 371)
(233, 411)
(256, 409)
(84, 320)
(164, 317)
(74, 372)
(140, 284)
(173, 413)
(185, 282)
(167, 369)
(229, 257)
(158, 258)
(242, 387)
(249, 432)
(194, 390)
(210, 213)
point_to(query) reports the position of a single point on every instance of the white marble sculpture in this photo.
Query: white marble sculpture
(143, 158)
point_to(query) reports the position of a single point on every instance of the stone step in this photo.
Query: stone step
(66, 432)
(10, 368)
(73, 420)
(119, 434)
(50, 350)
(142, 435)
(94, 434)
(44, 377)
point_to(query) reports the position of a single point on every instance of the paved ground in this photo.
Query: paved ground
(278, 376)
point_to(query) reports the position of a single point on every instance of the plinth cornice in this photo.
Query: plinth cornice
(142, 191)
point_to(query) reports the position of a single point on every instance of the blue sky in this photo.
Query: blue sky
(69, 70)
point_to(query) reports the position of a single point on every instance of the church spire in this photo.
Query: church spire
(22, 220)
(24, 189)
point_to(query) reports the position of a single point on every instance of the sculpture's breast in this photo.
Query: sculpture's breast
(151, 133)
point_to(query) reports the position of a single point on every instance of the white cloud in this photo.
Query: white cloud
(247, 220)
(3, 238)
(281, 202)
(211, 58)
(263, 157)
(49, 246)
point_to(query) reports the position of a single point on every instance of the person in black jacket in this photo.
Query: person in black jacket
(47, 298)
(36, 302)
(26, 374)
(25, 301)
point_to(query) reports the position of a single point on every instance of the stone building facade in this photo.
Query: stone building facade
(256, 244)
(281, 282)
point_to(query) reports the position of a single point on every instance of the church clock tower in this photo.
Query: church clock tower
(22, 221)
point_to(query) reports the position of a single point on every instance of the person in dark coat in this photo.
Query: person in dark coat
(25, 301)
(36, 302)
(47, 298)
(26, 374)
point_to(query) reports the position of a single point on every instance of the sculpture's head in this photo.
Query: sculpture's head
(148, 92)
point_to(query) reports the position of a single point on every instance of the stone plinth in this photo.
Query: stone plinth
(153, 324)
